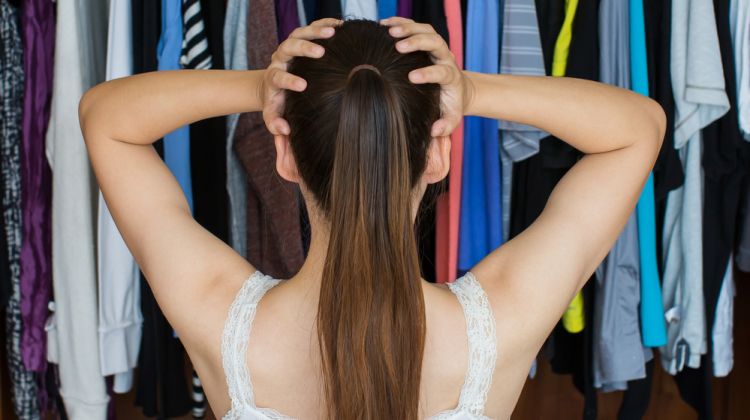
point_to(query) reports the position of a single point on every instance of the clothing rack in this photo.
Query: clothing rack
(125, 337)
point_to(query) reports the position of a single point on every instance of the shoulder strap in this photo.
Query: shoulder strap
(235, 337)
(480, 329)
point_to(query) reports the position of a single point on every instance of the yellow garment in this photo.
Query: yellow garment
(573, 320)
(562, 45)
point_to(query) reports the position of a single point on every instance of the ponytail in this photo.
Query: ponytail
(360, 143)
(371, 320)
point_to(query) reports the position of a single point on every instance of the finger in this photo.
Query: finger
(442, 127)
(438, 73)
(293, 47)
(326, 22)
(432, 43)
(313, 32)
(274, 122)
(410, 28)
(281, 126)
(284, 80)
(395, 20)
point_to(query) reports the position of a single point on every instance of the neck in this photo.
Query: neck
(308, 278)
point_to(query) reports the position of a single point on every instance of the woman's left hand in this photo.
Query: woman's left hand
(455, 89)
(276, 78)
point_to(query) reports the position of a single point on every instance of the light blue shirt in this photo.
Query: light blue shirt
(176, 143)
(480, 225)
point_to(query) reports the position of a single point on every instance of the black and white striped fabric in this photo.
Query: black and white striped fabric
(195, 52)
(199, 398)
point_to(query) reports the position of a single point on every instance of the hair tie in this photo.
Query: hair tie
(363, 66)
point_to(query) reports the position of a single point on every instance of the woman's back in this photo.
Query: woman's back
(270, 354)
(362, 149)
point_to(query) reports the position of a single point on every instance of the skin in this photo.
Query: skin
(529, 280)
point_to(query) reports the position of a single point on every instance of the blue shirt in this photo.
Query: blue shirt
(480, 225)
(169, 48)
(653, 324)
(386, 8)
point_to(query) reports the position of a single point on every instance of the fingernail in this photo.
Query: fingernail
(415, 76)
(319, 50)
(402, 45)
(327, 31)
(395, 30)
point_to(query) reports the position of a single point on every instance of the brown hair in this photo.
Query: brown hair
(360, 144)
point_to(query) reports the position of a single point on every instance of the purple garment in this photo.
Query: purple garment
(286, 11)
(38, 22)
(404, 8)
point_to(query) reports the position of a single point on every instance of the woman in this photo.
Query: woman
(361, 113)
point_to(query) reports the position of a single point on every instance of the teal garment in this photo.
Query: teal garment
(653, 323)
(169, 49)
(480, 226)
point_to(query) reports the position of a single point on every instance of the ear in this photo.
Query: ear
(438, 159)
(286, 166)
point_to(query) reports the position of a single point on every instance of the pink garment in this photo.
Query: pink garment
(448, 204)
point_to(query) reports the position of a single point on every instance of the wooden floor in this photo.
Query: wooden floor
(551, 396)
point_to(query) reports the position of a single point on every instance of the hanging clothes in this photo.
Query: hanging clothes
(208, 160)
(724, 159)
(80, 53)
(432, 12)
(742, 257)
(573, 318)
(365, 9)
(572, 353)
(120, 319)
(195, 53)
(652, 313)
(13, 84)
(448, 205)
(386, 8)
(722, 332)
(176, 143)
(739, 25)
(618, 353)
(235, 57)
(521, 54)
(274, 243)
(480, 230)
(6, 286)
(328, 8)
(38, 22)
(288, 19)
(404, 8)
(700, 98)
(161, 370)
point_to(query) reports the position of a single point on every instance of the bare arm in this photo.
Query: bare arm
(532, 278)
(188, 268)
(120, 119)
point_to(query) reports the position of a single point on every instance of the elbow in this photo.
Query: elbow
(84, 112)
(661, 121)
(657, 125)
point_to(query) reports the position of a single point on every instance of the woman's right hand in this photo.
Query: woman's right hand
(456, 90)
(277, 78)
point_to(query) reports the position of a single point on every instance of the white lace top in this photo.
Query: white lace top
(480, 326)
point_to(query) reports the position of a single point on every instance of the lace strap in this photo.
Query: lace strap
(480, 329)
(236, 334)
